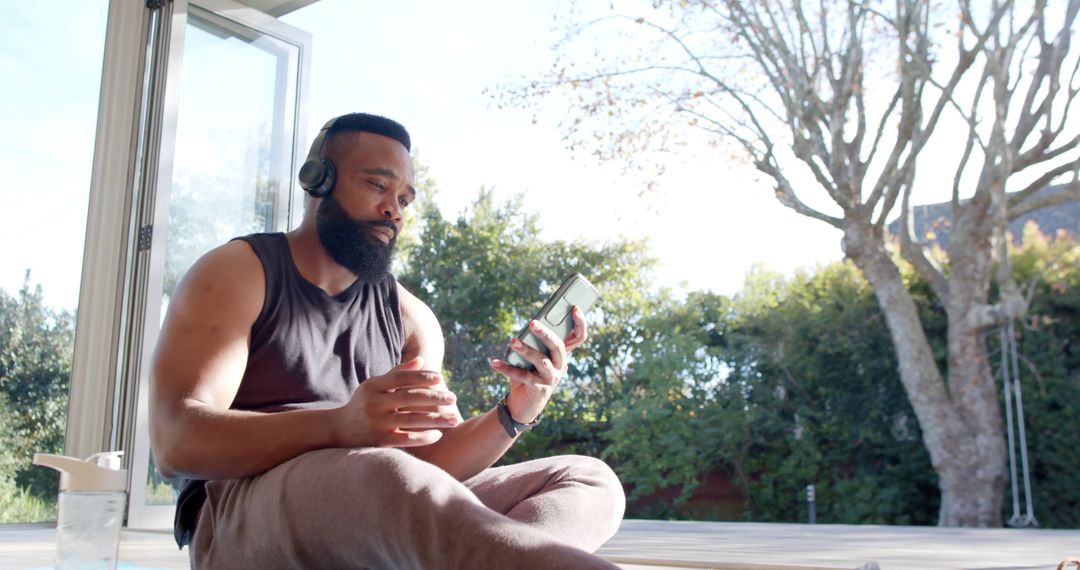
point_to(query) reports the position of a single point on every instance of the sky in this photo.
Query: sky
(50, 75)
(708, 222)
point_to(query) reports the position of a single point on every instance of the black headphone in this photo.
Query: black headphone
(317, 175)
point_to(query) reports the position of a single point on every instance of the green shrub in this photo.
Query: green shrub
(36, 346)
(18, 505)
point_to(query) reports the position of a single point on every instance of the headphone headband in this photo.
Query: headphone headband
(316, 151)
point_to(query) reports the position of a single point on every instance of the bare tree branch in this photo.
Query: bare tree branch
(1051, 57)
(786, 194)
(881, 126)
(972, 138)
(1040, 153)
(915, 252)
(913, 132)
(1070, 192)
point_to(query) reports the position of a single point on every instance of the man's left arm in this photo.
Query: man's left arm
(479, 442)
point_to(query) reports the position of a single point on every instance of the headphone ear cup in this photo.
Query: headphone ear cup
(317, 177)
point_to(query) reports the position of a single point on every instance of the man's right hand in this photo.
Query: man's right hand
(396, 409)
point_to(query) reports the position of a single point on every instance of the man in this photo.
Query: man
(296, 386)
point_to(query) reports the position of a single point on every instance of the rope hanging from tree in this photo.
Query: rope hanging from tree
(1010, 373)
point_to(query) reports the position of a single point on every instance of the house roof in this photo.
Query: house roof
(934, 221)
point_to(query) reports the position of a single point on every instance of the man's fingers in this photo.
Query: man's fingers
(425, 420)
(402, 438)
(581, 330)
(516, 374)
(547, 368)
(525, 351)
(414, 363)
(419, 396)
(399, 378)
(548, 337)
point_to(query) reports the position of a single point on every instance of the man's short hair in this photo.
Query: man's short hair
(367, 123)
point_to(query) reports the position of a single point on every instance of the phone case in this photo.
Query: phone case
(555, 314)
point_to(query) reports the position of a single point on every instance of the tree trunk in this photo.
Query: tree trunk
(972, 479)
(976, 485)
(961, 423)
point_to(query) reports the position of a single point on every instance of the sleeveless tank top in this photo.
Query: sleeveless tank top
(308, 349)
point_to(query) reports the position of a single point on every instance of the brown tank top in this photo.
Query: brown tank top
(308, 349)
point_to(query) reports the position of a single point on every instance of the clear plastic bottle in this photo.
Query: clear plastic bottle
(90, 509)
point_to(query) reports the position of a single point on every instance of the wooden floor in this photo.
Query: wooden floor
(654, 545)
(753, 546)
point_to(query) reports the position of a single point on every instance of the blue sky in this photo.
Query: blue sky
(50, 75)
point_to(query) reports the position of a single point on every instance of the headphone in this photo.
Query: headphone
(317, 175)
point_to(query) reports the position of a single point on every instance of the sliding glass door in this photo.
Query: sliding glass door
(231, 171)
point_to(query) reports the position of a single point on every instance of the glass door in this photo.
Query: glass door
(235, 151)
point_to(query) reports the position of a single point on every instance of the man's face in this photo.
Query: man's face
(359, 221)
(352, 243)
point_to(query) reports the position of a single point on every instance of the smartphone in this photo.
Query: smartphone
(555, 314)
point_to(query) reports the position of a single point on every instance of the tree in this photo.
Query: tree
(844, 99)
(813, 353)
(36, 345)
(783, 385)
(683, 412)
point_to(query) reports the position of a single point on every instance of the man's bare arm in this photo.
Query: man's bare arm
(473, 445)
(480, 441)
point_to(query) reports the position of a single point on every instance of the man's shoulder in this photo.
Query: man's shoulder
(229, 275)
(233, 259)
(423, 334)
(408, 301)
(414, 311)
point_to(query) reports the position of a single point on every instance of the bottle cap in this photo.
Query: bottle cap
(100, 472)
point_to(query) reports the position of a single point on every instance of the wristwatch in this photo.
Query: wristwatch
(513, 427)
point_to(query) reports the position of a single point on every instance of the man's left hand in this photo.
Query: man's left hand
(530, 391)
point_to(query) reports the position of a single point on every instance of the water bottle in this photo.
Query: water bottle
(90, 509)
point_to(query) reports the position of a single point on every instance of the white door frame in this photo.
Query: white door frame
(123, 264)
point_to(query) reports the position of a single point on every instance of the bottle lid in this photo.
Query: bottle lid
(100, 472)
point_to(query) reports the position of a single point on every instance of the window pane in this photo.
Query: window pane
(233, 148)
(50, 76)
(233, 158)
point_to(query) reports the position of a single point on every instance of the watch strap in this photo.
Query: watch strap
(513, 427)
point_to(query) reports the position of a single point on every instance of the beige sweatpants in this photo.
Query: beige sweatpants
(383, 508)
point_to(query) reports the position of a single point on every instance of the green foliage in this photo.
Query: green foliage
(475, 273)
(36, 346)
(791, 382)
(17, 505)
(677, 418)
(837, 414)
(160, 492)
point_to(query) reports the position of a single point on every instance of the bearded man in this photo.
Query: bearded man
(296, 389)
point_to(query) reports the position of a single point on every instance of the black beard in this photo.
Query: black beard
(350, 242)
